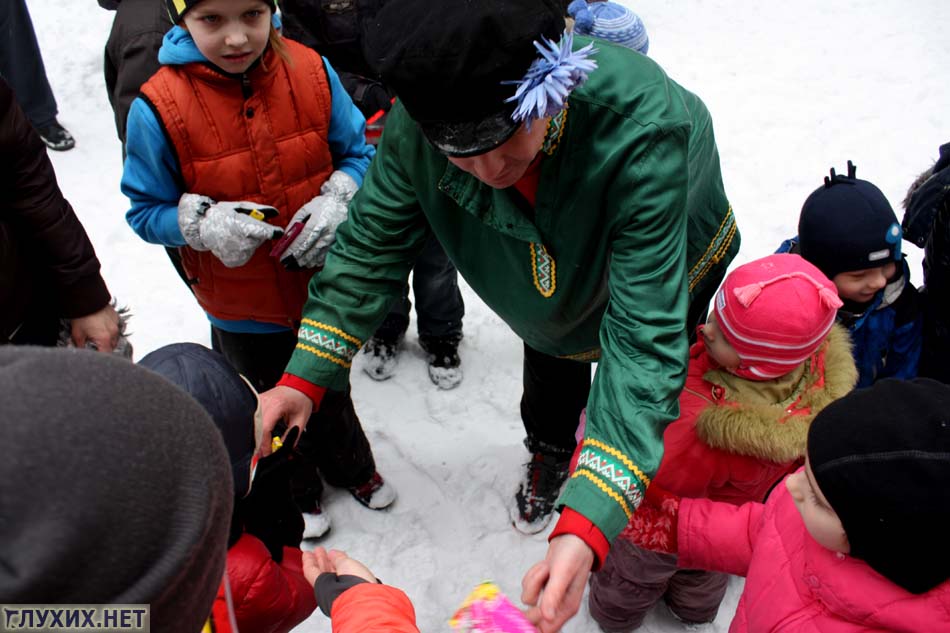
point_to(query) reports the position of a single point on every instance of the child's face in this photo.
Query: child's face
(232, 34)
(820, 520)
(860, 286)
(717, 345)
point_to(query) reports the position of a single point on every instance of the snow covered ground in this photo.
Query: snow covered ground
(794, 88)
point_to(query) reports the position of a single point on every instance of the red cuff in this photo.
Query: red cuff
(312, 391)
(572, 522)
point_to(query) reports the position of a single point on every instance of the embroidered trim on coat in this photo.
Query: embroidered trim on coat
(589, 356)
(552, 137)
(613, 473)
(717, 249)
(543, 270)
(327, 342)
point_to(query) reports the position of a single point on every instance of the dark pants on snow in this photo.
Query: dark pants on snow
(555, 393)
(556, 389)
(333, 445)
(21, 63)
(439, 306)
(632, 580)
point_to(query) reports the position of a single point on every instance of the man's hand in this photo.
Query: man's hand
(287, 404)
(319, 561)
(562, 576)
(101, 329)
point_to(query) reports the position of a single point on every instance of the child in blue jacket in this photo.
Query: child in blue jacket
(848, 229)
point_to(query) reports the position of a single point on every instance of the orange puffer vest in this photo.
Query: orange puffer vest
(262, 138)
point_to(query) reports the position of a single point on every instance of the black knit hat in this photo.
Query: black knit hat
(114, 488)
(881, 456)
(208, 378)
(848, 224)
(178, 8)
(446, 62)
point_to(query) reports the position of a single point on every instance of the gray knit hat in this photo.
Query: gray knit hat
(115, 487)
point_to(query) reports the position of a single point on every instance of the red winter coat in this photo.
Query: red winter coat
(793, 584)
(268, 597)
(372, 608)
(735, 438)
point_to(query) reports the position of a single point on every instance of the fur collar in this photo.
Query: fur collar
(770, 419)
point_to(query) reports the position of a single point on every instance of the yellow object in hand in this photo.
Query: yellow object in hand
(276, 443)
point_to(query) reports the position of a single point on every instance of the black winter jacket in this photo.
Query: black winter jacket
(48, 266)
(927, 224)
(131, 56)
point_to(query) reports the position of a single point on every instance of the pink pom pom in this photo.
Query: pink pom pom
(829, 298)
(747, 294)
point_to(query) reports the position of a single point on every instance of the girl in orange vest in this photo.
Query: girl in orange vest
(243, 152)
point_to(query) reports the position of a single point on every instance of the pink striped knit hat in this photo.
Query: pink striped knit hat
(775, 312)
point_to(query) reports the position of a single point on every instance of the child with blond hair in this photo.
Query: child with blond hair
(240, 138)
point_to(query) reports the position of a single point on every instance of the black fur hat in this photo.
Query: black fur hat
(446, 62)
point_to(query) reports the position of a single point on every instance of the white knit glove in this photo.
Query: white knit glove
(232, 231)
(320, 218)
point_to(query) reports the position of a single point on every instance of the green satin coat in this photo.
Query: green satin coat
(599, 270)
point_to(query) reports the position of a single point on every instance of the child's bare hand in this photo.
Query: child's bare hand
(346, 566)
(319, 561)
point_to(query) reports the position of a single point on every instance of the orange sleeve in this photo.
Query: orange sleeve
(373, 608)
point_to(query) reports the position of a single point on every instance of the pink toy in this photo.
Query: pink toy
(487, 610)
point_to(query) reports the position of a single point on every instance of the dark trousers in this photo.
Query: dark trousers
(21, 63)
(555, 393)
(632, 580)
(439, 305)
(334, 444)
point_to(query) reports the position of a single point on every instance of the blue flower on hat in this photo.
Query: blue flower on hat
(544, 89)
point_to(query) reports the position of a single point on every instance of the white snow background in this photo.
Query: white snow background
(794, 88)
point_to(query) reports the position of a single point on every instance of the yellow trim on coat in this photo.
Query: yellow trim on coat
(322, 354)
(606, 490)
(626, 460)
(335, 330)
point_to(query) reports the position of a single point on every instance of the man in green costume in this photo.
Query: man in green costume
(588, 213)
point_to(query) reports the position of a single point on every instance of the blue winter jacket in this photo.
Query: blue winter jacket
(885, 334)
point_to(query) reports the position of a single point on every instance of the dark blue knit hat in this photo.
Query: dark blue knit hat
(227, 397)
(848, 224)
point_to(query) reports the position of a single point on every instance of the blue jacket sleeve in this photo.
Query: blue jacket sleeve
(347, 135)
(150, 179)
(789, 246)
(904, 353)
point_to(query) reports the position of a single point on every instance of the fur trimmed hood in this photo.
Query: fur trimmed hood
(770, 419)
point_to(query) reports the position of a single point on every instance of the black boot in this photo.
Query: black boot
(444, 361)
(543, 477)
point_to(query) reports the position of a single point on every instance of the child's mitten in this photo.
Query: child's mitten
(232, 231)
(320, 218)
